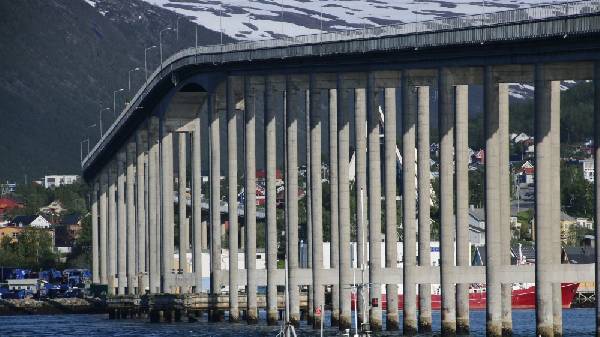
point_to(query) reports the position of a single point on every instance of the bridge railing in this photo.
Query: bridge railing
(529, 14)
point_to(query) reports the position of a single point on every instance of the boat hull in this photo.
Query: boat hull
(521, 298)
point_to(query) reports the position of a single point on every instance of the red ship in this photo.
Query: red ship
(522, 297)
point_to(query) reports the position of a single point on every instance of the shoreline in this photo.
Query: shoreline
(57, 306)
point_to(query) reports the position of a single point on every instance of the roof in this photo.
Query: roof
(580, 254)
(70, 219)
(24, 220)
(477, 213)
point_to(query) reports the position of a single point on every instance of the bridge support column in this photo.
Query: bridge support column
(556, 205)
(360, 156)
(318, 106)
(273, 104)
(252, 88)
(391, 221)
(184, 232)
(215, 208)
(167, 209)
(121, 224)
(544, 90)
(130, 223)
(424, 205)
(412, 96)
(597, 184)
(345, 267)
(103, 228)
(112, 229)
(197, 232)
(141, 219)
(232, 176)
(153, 206)
(375, 96)
(295, 100)
(447, 225)
(492, 201)
(463, 252)
(334, 254)
(95, 243)
(505, 184)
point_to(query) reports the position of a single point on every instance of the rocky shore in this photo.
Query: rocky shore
(52, 306)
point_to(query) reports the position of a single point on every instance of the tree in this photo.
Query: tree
(34, 250)
(577, 194)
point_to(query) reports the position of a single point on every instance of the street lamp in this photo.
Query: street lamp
(160, 45)
(101, 134)
(177, 27)
(145, 60)
(129, 78)
(81, 148)
(115, 101)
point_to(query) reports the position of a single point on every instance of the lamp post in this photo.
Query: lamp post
(177, 27)
(146, 60)
(81, 148)
(115, 101)
(160, 45)
(129, 78)
(101, 110)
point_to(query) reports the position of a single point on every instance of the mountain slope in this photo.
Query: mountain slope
(262, 19)
(61, 61)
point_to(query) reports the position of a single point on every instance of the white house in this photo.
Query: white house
(40, 222)
(588, 169)
(58, 180)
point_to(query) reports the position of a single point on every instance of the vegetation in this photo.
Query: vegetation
(34, 250)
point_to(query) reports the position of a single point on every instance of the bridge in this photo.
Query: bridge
(340, 82)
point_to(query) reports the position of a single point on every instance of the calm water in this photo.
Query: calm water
(577, 322)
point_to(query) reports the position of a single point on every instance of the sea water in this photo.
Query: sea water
(576, 322)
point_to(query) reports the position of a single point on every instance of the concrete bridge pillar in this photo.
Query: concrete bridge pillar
(130, 223)
(95, 244)
(505, 184)
(295, 101)
(141, 219)
(424, 205)
(273, 98)
(167, 208)
(252, 94)
(492, 201)
(447, 223)
(232, 177)
(597, 183)
(556, 205)
(197, 232)
(121, 224)
(360, 156)
(153, 206)
(184, 231)
(375, 100)
(319, 101)
(112, 228)
(344, 97)
(391, 221)
(215, 207)
(461, 106)
(103, 231)
(412, 98)
(334, 202)
(544, 136)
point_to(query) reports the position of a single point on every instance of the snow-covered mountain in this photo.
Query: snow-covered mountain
(264, 19)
